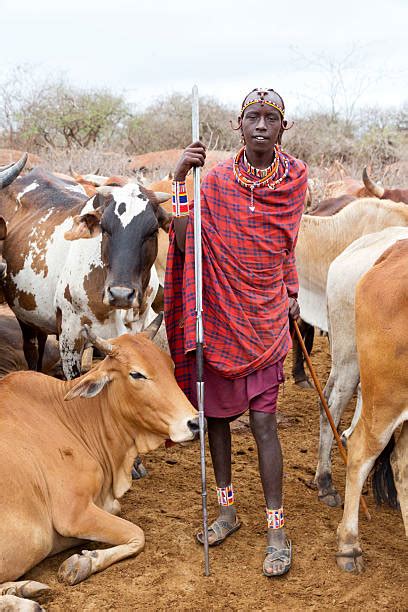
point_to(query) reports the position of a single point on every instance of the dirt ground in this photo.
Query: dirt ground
(167, 505)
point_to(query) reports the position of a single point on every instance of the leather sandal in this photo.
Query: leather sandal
(278, 554)
(222, 529)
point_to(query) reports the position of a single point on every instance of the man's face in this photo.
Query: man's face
(261, 124)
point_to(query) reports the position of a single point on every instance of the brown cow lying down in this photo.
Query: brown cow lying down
(66, 453)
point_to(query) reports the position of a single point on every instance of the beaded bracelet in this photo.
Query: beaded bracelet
(179, 200)
(275, 518)
(225, 495)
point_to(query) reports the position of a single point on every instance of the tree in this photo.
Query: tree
(61, 115)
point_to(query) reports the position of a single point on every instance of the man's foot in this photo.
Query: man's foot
(226, 524)
(278, 553)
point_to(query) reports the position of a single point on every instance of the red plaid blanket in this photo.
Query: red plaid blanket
(248, 273)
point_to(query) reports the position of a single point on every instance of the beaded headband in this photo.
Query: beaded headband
(261, 101)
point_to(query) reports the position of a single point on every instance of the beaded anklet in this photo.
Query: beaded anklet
(275, 518)
(179, 199)
(225, 495)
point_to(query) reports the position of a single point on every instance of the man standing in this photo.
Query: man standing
(251, 209)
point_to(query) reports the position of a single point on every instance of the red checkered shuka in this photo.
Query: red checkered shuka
(248, 273)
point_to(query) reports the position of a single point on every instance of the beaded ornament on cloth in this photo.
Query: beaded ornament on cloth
(268, 180)
(275, 518)
(225, 495)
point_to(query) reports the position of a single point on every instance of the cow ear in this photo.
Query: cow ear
(164, 218)
(89, 385)
(3, 229)
(85, 226)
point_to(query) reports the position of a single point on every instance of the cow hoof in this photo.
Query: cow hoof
(331, 499)
(31, 589)
(75, 569)
(24, 588)
(138, 470)
(304, 384)
(351, 562)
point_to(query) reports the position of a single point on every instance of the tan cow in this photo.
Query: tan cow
(346, 186)
(158, 163)
(382, 345)
(66, 452)
(321, 239)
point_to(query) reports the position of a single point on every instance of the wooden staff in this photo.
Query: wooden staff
(318, 387)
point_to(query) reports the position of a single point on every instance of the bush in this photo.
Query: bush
(166, 124)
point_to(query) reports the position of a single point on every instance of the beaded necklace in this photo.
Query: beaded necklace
(261, 173)
(265, 181)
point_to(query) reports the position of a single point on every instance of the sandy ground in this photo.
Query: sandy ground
(167, 505)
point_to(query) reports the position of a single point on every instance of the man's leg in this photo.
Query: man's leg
(219, 437)
(264, 429)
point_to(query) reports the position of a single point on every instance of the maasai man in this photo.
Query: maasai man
(251, 211)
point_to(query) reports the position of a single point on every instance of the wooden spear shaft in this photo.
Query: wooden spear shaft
(319, 389)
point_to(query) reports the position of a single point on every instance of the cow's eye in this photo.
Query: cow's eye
(137, 375)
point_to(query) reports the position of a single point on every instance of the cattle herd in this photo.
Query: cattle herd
(82, 263)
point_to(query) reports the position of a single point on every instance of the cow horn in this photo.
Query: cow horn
(152, 329)
(8, 174)
(162, 196)
(372, 187)
(103, 345)
(72, 172)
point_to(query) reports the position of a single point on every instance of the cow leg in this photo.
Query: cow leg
(41, 341)
(11, 603)
(71, 344)
(399, 463)
(30, 346)
(357, 413)
(364, 448)
(100, 526)
(338, 392)
(298, 361)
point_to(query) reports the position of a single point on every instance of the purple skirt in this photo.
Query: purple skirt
(225, 397)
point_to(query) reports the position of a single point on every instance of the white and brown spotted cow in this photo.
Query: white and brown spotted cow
(66, 451)
(75, 261)
(8, 174)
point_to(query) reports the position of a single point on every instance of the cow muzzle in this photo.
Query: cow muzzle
(185, 430)
(194, 427)
(3, 269)
(121, 297)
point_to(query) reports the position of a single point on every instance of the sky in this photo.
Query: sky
(352, 52)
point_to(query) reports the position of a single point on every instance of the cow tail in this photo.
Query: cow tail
(382, 478)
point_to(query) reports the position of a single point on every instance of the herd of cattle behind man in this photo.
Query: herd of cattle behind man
(82, 266)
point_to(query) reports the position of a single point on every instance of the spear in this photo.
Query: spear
(199, 325)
